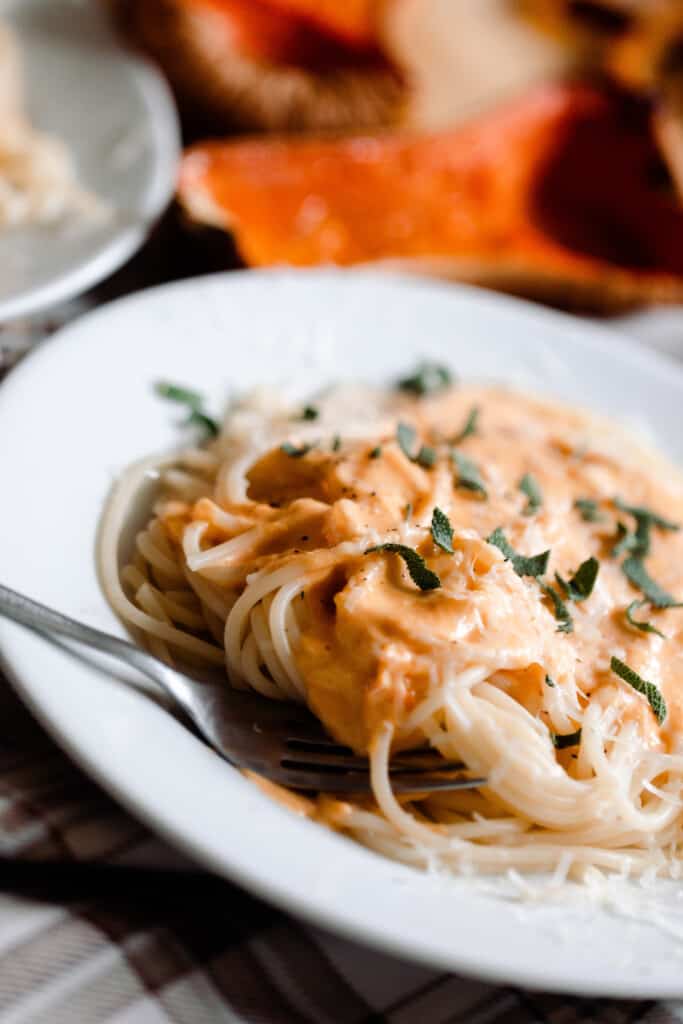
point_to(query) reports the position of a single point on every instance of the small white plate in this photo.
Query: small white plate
(81, 407)
(116, 114)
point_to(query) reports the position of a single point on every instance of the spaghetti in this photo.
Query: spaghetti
(441, 566)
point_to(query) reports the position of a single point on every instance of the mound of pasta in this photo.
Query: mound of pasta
(483, 572)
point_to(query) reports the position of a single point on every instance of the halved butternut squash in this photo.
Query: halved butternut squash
(558, 195)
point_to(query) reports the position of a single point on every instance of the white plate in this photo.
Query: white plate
(80, 408)
(116, 114)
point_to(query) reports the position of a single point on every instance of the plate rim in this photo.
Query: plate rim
(160, 189)
(240, 872)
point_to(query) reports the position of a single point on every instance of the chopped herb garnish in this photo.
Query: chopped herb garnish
(198, 418)
(442, 531)
(176, 393)
(375, 453)
(295, 453)
(406, 437)
(470, 427)
(635, 571)
(193, 401)
(426, 457)
(421, 575)
(581, 584)
(638, 542)
(642, 512)
(589, 510)
(428, 379)
(649, 690)
(309, 412)
(549, 681)
(560, 609)
(468, 474)
(529, 486)
(336, 443)
(408, 511)
(570, 739)
(624, 541)
(644, 627)
(534, 565)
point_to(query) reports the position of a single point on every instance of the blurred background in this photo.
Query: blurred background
(532, 146)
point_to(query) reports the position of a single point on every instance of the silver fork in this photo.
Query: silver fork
(281, 741)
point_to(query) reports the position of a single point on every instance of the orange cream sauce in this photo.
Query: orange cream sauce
(372, 645)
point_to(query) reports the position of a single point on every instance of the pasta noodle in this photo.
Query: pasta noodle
(450, 570)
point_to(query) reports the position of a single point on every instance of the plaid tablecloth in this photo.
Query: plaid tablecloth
(99, 921)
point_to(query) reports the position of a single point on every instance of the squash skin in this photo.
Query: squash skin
(238, 64)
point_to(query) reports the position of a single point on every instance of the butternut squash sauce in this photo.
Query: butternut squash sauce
(371, 645)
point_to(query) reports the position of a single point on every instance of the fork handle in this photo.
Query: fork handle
(38, 616)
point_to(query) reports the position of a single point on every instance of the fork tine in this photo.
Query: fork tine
(287, 744)
(284, 719)
(306, 759)
(321, 759)
(334, 782)
(359, 782)
(311, 737)
(429, 761)
(304, 734)
(316, 747)
(432, 783)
